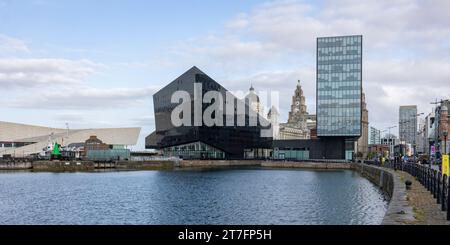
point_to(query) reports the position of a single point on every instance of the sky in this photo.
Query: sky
(97, 63)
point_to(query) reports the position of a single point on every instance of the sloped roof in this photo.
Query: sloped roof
(12, 132)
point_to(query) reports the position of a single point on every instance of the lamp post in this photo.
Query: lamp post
(445, 133)
(415, 134)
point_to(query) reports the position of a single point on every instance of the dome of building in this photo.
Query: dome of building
(252, 96)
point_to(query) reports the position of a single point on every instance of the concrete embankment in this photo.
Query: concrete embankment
(73, 166)
(62, 166)
(307, 165)
(147, 165)
(12, 165)
(399, 211)
(216, 163)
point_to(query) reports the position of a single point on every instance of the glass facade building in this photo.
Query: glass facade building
(374, 136)
(200, 141)
(339, 86)
(408, 123)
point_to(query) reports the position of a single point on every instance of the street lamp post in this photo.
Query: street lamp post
(415, 134)
(445, 142)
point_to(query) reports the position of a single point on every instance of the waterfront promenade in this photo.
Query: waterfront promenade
(425, 208)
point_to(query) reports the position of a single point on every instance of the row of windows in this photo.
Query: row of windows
(339, 77)
(323, 98)
(339, 103)
(197, 150)
(339, 41)
(342, 58)
(337, 114)
(339, 91)
(338, 66)
(342, 124)
(339, 111)
(340, 51)
(337, 62)
(350, 126)
(336, 87)
(336, 83)
(339, 48)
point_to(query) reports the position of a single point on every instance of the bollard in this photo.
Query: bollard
(408, 184)
(443, 196)
(429, 178)
(419, 174)
(448, 201)
(438, 193)
(433, 182)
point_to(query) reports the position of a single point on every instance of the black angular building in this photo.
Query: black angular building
(196, 141)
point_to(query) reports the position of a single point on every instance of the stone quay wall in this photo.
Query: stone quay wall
(306, 165)
(216, 163)
(11, 165)
(62, 166)
(399, 211)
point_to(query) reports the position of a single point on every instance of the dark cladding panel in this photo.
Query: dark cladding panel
(323, 148)
(230, 139)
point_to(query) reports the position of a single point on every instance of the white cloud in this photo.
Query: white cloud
(86, 98)
(30, 73)
(406, 48)
(10, 45)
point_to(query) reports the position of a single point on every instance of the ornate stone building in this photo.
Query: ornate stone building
(363, 141)
(273, 116)
(296, 127)
(252, 99)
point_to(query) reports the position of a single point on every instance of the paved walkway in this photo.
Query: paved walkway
(426, 210)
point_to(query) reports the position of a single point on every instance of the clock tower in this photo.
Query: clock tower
(298, 112)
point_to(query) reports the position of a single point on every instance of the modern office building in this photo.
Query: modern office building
(198, 140)
(374, 136)
(339, 91)
(408, 124)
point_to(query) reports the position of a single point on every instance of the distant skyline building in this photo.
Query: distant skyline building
(391, 141)
(339, 89)
(374, 136)
(408, 123)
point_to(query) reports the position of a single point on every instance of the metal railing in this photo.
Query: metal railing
(432, 179)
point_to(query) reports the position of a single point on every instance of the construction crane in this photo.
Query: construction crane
(439, 102)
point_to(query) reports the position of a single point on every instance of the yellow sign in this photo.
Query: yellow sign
(445, 167)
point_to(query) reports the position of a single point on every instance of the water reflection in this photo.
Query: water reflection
(225, 196)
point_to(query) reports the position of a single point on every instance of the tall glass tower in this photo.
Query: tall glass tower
(408, 123)
(339, 86)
